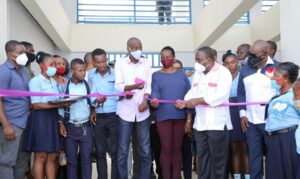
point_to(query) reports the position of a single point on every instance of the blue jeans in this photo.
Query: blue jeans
(81, 137)
(143, 135)
(255, 136)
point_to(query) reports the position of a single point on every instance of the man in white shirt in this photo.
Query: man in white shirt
(211, 86)
(255, 85)
(133, 109)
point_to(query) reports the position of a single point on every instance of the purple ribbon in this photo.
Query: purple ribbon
(202, 105)
(236, 104)
(19, 93)
(138, 81)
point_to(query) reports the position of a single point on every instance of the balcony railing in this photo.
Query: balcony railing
(134, 11)
(154, 57)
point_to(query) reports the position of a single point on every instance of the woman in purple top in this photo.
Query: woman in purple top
(169, 84)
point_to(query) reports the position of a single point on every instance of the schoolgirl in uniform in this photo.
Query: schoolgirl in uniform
(42, 135)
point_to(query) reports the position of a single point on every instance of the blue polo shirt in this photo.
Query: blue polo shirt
(104, 85)
(282, 113)
(15, 108)
(42, 84)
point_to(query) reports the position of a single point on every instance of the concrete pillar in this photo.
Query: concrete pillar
(3, 29)
(289, 30)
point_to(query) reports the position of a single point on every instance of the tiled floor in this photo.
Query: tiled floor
(94, 174)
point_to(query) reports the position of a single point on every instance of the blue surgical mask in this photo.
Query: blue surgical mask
(274, 85)
(51, 71)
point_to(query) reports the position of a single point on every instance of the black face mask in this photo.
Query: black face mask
(253, 60)
(31, 58)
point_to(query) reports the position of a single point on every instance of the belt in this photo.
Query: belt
(282, 131)
(106, 114)
(78, 125)
(233, 99)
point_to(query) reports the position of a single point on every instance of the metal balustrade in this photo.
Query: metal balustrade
(153, 56)
(133, 11)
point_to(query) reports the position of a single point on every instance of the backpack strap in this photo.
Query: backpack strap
(67, 109)
(88, 92)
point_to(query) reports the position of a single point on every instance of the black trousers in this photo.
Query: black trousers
(155, 148)
(213, 151)
(187, 157)
(106, 140)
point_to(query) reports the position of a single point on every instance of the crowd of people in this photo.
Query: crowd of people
(167, 117)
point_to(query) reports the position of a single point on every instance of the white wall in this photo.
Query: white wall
(3, 28)
(23, 27)
(113, 37)
(289, 28)
(233, 37)
(70, 7)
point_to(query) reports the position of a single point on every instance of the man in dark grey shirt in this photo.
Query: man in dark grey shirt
(13, 112)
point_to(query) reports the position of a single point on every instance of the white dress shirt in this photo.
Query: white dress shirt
(126, 72)
(258, 88)
(214, 87)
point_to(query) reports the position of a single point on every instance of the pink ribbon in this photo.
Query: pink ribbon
(201, 105)
(138, 81)
(18, 93)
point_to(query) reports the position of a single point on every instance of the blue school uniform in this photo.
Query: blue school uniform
(236, 134)
(42, 134)
(281, 124)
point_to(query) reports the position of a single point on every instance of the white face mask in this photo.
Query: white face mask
(243, 62)
(136, 54)
(199, 68)
(22, 59)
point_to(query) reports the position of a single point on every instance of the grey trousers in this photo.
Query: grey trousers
(13, 161)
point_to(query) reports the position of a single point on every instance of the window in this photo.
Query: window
(130, 11)
(267, 4)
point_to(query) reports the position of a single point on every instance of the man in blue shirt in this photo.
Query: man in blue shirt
(13, 112)
(76, 126)
(106, 122)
